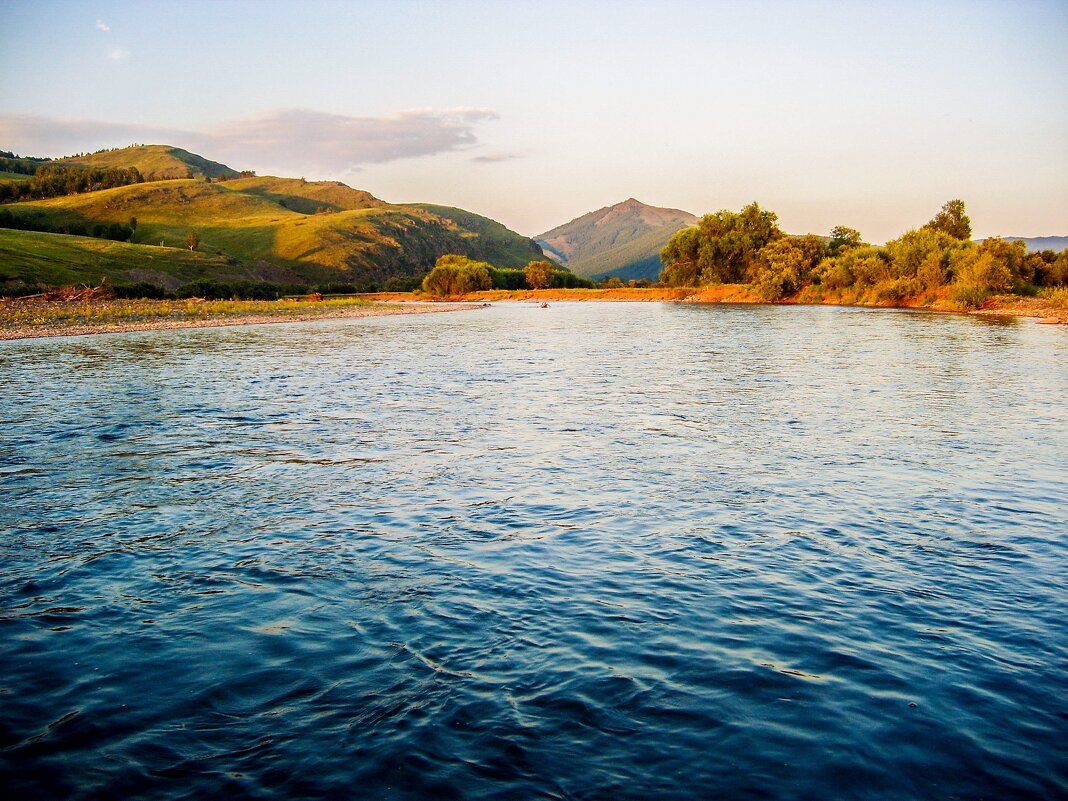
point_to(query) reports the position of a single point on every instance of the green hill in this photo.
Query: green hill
(28, 257)
(623, 240)
(290, 228)
(154, 162)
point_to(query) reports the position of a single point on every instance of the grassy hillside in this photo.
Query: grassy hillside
(265, 223)
(623, 240)
(306, 197)
(487, 239)
(58, 260)
(154, 162)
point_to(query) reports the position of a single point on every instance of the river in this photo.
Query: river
(600, 550)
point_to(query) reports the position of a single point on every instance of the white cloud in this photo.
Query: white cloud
(118, 54)
(102, 26)
(287, 141)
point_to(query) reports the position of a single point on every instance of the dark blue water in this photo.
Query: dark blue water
(618, 551)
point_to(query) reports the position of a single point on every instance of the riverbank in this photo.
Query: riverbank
(27, 318)
(1046, 310)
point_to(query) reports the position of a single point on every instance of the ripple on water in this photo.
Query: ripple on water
(631, 550)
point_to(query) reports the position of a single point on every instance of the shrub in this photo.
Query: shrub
(207, 288)
(508, 279)
(562, 279)
(142, 289)
(968, 296)
(402, 283)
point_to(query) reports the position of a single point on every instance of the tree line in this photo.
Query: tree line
(939, 257)
(52, 181)
(116, 231)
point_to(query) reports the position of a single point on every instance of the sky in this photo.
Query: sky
(865, 114)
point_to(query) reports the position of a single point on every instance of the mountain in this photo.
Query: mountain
(1037, 243)
(295, 230)
(154, 162)
(622, 240)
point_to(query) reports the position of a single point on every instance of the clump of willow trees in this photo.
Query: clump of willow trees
(458, 275)
(939, 258)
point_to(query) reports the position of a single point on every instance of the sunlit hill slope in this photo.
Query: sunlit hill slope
(294, 229)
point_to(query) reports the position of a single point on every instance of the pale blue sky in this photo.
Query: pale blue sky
(857, 113)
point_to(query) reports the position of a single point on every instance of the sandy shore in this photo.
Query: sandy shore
(12, 329)
(996, 306)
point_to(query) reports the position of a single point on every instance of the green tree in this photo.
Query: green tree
(720, 248)
(457, 275)
(841, 238)
(192, 240)
(784, 266)
(952, 220)
(538, 274)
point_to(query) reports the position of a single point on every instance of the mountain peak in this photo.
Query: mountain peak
(615, 238)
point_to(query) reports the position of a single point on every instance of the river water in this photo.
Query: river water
(625, 551)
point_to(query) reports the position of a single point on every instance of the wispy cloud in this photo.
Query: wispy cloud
(496, 158)
(290, 141)
(118, 54)
(102, 26)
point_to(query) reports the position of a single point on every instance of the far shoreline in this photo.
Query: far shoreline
(1016, 306)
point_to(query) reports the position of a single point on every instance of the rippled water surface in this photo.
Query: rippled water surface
(625, 551)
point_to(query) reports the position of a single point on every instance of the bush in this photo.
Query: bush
(207, 288)
(968, 296)
(255, 290)
(141, 289)
(508, 279)
(562, 279)
(402, 283)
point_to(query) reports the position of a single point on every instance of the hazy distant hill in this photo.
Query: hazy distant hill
(302, 230)
(154, 162)
(1036, 243)
(623, 240)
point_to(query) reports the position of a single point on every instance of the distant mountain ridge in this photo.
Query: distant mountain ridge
(1037, 243)
(623, 240)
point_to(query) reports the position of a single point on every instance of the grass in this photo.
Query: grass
(1057, 297)
(244, 219)
(59, 260)
(154, 162)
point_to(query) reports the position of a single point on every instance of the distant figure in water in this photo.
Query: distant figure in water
(544, 305)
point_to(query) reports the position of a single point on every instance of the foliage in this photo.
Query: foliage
(952, 221)
(401, 283)
(457, 275)
(207, 288)
(53, 181)
(783, 266)
(508, 279)
(720, 248)
(192, 240)
(113, 231)
(563, 279)
(538, 274)
(142, 289)
(842, 238)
